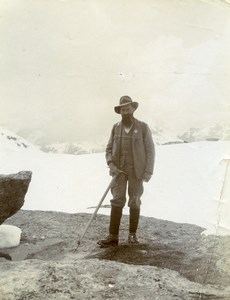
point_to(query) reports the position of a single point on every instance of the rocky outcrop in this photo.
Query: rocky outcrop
(13, 189)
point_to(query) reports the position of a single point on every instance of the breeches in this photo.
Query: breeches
(125, 182)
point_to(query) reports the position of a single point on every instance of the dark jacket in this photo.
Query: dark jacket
(142, 147)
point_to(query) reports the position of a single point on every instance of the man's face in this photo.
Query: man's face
(127, 109)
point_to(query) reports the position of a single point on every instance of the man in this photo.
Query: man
(130, 156)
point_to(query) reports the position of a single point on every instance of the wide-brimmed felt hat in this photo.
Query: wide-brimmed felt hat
(125, 100)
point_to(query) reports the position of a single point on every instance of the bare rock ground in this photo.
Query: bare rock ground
(173, 261)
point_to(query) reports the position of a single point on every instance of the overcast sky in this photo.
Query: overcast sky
(65, 64)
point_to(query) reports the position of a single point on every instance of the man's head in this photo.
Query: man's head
(125, 103)
(126, 110)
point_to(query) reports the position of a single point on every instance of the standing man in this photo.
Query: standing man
(130, 156)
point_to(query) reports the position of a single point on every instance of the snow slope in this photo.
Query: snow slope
(187, 185)
(10, 141)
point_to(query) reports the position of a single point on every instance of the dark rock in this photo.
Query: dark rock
(5, 255)
(13, 189)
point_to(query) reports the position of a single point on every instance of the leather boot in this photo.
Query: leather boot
(134, 215)
(132, 239)
(112, 238)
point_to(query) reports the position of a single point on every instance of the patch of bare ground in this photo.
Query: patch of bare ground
(173, 261)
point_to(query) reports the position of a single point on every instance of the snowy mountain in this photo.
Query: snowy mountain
(161, 136)
(164, 135)
(12, 142)
(212, 133)
(74, 148)
(189, 185)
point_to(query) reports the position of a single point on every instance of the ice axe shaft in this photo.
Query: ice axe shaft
(97, 208)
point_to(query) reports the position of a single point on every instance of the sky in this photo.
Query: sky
(193, 187)
(65, 64)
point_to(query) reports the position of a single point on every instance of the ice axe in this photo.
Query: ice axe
(96, 210)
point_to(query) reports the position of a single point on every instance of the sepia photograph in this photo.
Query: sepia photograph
(115, 149)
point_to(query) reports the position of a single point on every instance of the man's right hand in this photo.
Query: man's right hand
(113, 170)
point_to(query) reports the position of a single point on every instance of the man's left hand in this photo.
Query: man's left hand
(147, 176)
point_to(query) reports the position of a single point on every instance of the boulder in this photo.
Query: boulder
(13, 188)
